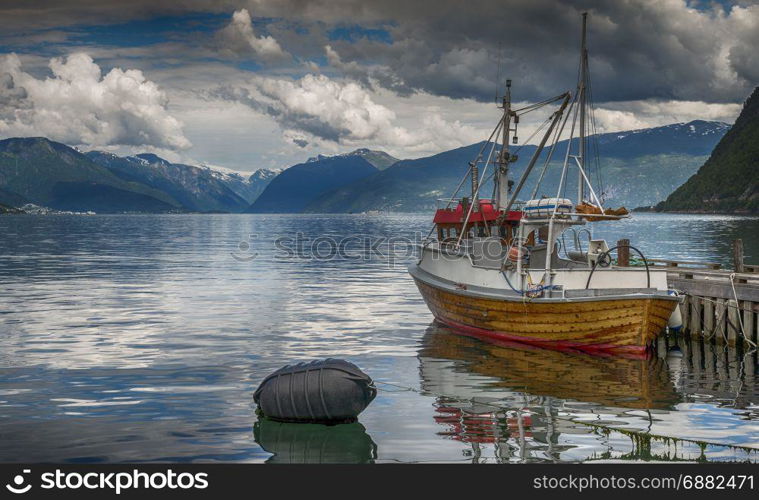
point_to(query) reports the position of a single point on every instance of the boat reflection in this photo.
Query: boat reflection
(609, 380)
(314, 443)
(512, 402)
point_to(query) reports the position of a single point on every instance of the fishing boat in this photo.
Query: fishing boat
(497, 266)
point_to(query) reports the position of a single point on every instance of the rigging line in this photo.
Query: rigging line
(550, 153)
(565, 167)
(547, 120)
(556, 135)
(477, 160)
(498, 69)
(485, 169)
(540, 104)
(556, 118)
(555, 143)
(479, 155)
(594, 127)
(596, 153)
(471, 206)
(488, 179)
(587, 181)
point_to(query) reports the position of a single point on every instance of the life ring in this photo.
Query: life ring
(516, 254)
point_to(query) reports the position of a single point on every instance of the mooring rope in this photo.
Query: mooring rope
(740, 316)
(723, 315)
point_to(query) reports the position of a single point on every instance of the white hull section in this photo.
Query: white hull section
(461, 269)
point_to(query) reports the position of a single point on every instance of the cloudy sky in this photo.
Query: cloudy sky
(268, 83)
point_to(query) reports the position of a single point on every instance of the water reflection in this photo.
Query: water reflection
(139, 337)
(511, 402)
(315, 443)
(611, 381)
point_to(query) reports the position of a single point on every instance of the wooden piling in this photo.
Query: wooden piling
(696, 346)
(695, 315)
(716, 301)
(749, 324)
(722, 365)
(685, 312)
(733, 322)
(733, 365)
(685, 347)
(721, 314)
(708, 316)
(738, 255)
(709, 361)
(623, 253)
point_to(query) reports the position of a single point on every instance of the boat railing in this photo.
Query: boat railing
(685, 264)
(451, 203)
(445, 203)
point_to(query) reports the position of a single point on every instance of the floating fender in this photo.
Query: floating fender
(330, 391)
(675, 322)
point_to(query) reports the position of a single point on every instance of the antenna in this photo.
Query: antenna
(498, 69)
(582, 102)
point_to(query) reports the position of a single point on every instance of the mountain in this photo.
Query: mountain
(729, 180)
(198, 189)
(8, 209)
(379, 159)
(696, 138)
(50, 174)
(248, 187)
(638, 168)
(9, 198)
(37, 170)
(293, 189)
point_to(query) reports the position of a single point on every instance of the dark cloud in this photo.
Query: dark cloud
(11, 96)
(238, 39)
(337, 71)
(639, 49)
(23, 15)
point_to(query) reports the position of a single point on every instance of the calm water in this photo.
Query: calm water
(142, 338)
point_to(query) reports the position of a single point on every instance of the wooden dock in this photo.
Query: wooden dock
(719, 303)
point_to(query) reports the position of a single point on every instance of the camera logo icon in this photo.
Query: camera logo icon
(17, 485)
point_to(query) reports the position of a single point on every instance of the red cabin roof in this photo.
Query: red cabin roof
(487, 213)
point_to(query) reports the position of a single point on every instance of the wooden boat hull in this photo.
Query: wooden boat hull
(626, 325)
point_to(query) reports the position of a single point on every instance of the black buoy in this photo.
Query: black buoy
(331, 391)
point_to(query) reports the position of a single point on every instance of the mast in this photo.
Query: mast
(502, 179)
(582, 102)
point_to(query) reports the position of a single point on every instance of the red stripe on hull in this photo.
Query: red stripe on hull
(626, 351)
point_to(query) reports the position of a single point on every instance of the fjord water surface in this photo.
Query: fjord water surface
(142, 338)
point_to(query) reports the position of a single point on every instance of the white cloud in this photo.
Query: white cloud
(319, 109)
(77, 105)
(743, 54)
(613, 117)
(239, 39)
